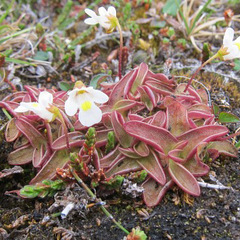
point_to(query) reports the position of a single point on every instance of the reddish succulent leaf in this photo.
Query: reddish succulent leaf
(106, 120)
(15, 97)
(160, 78)
(223, 147)
(126, 165)
(11, 132)
(199, 114)
(198, 135)
(196, 167)
(10, 106)
(117, 122)
(75, 140)
(33, 92)
(38, 155)
(203, 94)
(58, 160)
(109, 159)
(147, 97)
(135, 117)
(200, 107)
(96, 160)
(177, 119)
(20, 142)
(154, 192)
(124, 105)
(141, 149)
(152, 165)
(183, 178)
(194, 93)
(157, 137)
(159, 88)
(101, 138)
(21, 156)
(139, 79)
(159, 119)
(195, 164)
(118, 90)
(33, 135)
(128, 152)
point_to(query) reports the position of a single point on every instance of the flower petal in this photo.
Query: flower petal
(91, 116)
(102, 12)
(112, 11)
(45, 98)
(71, 105)
(98, 96)
(38, 110)
(90, 13)
(233, 53)
(228, 37)
(21, 109)
(90, 21)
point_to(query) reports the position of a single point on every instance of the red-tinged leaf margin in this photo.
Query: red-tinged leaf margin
(33, 135)
(141, 75)
(157, 137)
(21, 156)
(183, 178)
(154, 192)
(11, 132)
(152, 165)
(124, 138)
(58, 160)
(126, 165)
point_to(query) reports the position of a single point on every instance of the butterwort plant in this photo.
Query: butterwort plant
(164, 129)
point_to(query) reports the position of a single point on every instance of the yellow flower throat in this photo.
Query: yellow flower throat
(86, 105)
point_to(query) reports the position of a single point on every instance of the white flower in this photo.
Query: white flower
(84, 99)
(106, 18)
(40, 108)
(232, 48)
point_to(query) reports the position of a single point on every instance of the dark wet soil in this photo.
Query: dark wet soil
(213, 215)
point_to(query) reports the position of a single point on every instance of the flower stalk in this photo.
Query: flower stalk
(197, 71)
(120, 50)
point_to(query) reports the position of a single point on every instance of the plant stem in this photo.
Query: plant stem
(7, 114)
(91, 194)
(120, 50)
(65, 129)
(197, 71)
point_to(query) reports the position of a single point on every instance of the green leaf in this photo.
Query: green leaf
(171, 7)
(96, 80)
(225, 117)
(237, 64)
(216, 109)
(237, 145)
(64, 86)
(65, 13)
(17, 61)
(42, 56)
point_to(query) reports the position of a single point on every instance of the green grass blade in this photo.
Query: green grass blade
(2, 40)
(199, 15)
(17, 61)
(183, 18)
(7, 11)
